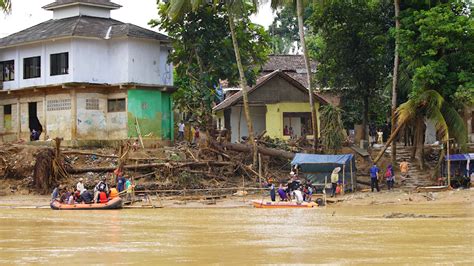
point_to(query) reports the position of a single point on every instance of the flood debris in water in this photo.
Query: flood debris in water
(398, 215)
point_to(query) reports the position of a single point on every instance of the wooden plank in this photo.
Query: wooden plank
(360, 151)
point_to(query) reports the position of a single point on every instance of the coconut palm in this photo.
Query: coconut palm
(300, 5)
(428, 105)
(234, 9)
(396, 60)
(6, 6)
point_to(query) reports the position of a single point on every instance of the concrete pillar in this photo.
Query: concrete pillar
(18, 119)
(45, 120)
(73, 114)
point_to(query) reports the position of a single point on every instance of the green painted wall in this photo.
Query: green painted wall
(152, 109)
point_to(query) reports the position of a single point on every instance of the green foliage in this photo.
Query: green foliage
(6, 6)
(332, 130)
(437, 48)
(203, 54)
(437, 54)
(284, 30)
(354, 51)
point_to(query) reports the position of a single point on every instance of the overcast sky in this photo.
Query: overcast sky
(27, 13)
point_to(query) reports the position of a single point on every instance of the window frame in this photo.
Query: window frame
(29, 71)
(3, 65)
(55, 64)
(116, 103)
(301, 116)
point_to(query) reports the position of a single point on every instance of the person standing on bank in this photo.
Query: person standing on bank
(374, 177)
(334, 180)
(389, 176)
(181, 130)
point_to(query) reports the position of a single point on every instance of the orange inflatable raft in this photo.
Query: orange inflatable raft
(115, 203)
(282, 204)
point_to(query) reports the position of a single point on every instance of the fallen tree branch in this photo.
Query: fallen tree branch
(263, 150)
(172, 165)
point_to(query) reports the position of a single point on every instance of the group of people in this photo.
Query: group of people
(194, 131)
(388, 175)
(101, 193)
(294, 189)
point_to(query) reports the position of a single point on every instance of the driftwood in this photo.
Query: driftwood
(263, 150)
(150, 165)
(109, 156)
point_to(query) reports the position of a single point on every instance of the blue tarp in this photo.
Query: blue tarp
(316, 167)
(460, 157)
(464, 163)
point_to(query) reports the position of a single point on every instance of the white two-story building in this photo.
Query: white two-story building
(84, 76)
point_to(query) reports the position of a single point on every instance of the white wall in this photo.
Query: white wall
(44, 50)
(147, 63)
(258, 120)
(112, 61)
(74, 11)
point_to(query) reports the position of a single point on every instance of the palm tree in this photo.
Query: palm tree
(300, 12)
(428, 104)
(6, 6)
(234, 9)
(396, 59)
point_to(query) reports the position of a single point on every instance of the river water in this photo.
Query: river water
(333, 235)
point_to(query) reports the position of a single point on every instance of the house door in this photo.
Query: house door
(34, 122)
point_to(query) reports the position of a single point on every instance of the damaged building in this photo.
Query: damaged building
(85, 77)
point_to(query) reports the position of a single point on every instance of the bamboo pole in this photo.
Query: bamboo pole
(352, 177)
(343, 179)
(260, 170)
(449, 163)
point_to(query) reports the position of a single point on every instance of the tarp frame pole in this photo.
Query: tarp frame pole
(343, 178)
(352, 176)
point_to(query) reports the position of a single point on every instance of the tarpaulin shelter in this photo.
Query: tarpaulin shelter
(462, 162)
(318, 167)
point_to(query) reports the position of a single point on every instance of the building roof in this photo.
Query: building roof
(236, 97)
(80, 26)
(97, 3)
(292, 65)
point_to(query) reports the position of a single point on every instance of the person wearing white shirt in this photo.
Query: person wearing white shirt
(80, 185)
(298, 195)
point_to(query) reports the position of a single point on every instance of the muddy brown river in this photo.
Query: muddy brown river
(335, 235)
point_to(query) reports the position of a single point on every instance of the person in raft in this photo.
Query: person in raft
(80, 186)
(272, 189)
(298, 195)
(101, 190)
(334, 180)
(282, 193)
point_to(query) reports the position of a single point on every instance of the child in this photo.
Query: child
(389, 177)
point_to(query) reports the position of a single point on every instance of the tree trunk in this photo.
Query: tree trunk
(150, 165)
(365, 119)
(389, 141)
(420, 143)
(263, 150)
(243, 85)
(314, 118)
(395, 78)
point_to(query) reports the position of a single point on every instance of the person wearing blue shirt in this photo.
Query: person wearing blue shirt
(374, 177)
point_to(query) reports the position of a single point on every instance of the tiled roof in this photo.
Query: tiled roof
(101, 3)
(81, 26)
(293, 65)
(236, 97)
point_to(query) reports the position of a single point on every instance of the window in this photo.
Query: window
(116, 105)
(297, 124)
(59, 64)
(32, 67)
(92, 104)
(7, 117)
(59, 105)
(7, 70)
